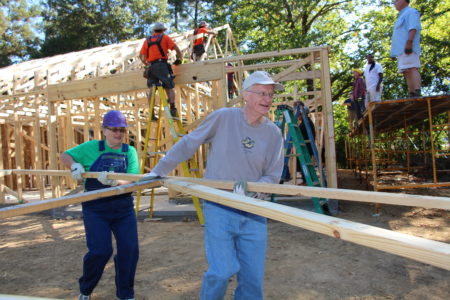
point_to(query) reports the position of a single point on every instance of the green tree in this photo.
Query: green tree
(264, 25)
(435, 58)
(18, 27)
(186, 14)
(374, 36)
(177, 12)
(72, 25)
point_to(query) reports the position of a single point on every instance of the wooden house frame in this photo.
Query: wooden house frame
(52, 104)
(389, 148)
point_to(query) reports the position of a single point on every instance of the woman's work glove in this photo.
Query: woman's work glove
(77, 171)
(103, 178)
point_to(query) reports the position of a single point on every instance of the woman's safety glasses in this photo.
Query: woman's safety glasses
(116, 129)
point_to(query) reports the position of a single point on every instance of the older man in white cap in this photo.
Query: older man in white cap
(245, 146)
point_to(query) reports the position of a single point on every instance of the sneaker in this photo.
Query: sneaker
(84, 297)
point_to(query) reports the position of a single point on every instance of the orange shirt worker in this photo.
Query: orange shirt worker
(154, 54)
(199, 44)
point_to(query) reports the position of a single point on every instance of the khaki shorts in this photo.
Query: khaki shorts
(408, 61)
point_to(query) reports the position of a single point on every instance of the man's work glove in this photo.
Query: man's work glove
(103, 178)
(150, 176)
(178, 62)
(240, 188)
(77, 170)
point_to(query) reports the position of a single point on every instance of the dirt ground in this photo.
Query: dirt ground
(42, 257)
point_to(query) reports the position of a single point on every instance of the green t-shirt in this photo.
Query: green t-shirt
(87, 153)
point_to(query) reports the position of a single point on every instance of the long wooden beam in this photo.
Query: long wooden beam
(5, 172)
(119, 176)
(27, 208)
(185, 74)
(332, 193)
(282, 189)
(416, 248)
(411, 186)
(129, 81)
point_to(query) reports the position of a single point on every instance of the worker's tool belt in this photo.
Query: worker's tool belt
(148, 68)
(158, 61)
(199, 49)
(147, 71)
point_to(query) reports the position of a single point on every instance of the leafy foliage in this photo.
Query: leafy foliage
(186, 14)
(72, 25)
(352, 29)
(264, 25)
(435, 46)
(17, 30)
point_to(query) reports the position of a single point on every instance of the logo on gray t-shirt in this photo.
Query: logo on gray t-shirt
(248, 143)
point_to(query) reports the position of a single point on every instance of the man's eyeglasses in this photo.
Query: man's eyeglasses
(116, 129)
(262, 94)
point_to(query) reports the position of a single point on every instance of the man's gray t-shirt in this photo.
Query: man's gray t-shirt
(238, 151)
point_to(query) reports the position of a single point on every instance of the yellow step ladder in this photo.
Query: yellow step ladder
(177, 131)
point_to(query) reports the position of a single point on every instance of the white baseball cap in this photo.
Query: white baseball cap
(261, 77)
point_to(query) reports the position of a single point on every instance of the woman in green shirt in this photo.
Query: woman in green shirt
(109, 214)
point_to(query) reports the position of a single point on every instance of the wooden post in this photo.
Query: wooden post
(7, 152)
(178, 102)
(38, 141)
(408, 154)
(224, 86)
(2, 178)
(448, 129)
(433, 153)
(371, 138)
(138, 128)
(86, 121)
(53, 144)
(327, 110)
(18, 148)
(97, 119)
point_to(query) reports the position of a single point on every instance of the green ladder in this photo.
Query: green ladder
(301, 148)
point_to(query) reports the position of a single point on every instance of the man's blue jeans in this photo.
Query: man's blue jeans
(235, 242)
